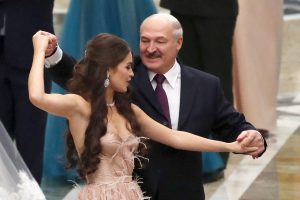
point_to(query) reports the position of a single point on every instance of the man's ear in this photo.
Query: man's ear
(179, 43)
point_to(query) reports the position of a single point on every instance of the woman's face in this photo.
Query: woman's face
(121, 75)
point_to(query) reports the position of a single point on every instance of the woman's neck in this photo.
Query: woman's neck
(109, 98)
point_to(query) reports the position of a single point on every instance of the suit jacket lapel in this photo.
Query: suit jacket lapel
(145, 88)
(187, 95)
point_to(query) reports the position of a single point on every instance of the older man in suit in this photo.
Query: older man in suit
(196, 104)
(208, 27)
(19, 20)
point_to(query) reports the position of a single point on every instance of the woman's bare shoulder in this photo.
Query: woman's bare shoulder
(82, 105)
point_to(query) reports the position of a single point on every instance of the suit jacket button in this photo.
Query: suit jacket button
(165, 123)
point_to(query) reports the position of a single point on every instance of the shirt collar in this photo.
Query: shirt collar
(171, 75)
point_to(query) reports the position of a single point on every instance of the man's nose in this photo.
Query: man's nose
(151, 48)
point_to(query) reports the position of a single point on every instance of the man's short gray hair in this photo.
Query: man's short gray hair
(177, 28)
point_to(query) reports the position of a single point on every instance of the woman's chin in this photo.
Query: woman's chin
(123, 90)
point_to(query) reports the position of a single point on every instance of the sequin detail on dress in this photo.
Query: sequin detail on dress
(113, 178)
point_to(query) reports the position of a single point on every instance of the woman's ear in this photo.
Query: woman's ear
(106, 81)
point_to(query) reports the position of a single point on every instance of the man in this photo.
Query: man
(196, 104)
(208, 27)
(19, 20)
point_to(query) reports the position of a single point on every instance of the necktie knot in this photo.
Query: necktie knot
(159, 78)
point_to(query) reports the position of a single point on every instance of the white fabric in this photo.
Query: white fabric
(73, 194)
(172, 87)
(55, 58)
(16, 181)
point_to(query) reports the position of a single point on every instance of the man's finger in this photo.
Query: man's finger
(241, 136)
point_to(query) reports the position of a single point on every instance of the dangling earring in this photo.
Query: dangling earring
(106, 81)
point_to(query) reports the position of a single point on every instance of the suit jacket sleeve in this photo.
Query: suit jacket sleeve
(228, 122)
(62, 71)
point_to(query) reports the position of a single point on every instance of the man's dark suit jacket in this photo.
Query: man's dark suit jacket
(23, 19)
(176, 174)
(203, 8)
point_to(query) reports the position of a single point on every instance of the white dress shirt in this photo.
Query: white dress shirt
(172, 86)
(54, 58)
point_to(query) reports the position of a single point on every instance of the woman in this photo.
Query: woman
(84, 20)
(105, 128)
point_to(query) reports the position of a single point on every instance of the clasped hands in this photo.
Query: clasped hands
(47, 37)
(252, 138)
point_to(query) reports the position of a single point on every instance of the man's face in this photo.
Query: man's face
(158, 45)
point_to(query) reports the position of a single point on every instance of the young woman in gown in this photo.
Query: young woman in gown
(105, 129)
(84, 20)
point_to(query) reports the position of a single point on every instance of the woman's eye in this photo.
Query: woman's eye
(128, 67)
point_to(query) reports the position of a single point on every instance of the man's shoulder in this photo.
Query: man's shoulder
(137, 63)
(197, 73)
(137, 60)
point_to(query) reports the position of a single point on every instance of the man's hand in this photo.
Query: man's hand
(52, 44)
(252, 138)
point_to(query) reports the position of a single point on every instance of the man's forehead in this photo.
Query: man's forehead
(158, 30)
(154, 35)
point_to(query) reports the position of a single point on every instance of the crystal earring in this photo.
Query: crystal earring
(106, 81)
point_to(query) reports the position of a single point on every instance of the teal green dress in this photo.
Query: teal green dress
(85, 19)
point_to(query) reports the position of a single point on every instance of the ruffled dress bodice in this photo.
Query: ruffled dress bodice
(113, 178)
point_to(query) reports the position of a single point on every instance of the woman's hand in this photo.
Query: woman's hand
(45, 42)
(238, 147)
(40, 42)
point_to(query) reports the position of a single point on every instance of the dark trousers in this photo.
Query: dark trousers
(24, 122)
(207, 46)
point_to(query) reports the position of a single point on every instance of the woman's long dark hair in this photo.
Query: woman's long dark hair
(103, 52)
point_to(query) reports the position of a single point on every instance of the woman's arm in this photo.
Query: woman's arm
(57, 104)
(184, 140)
